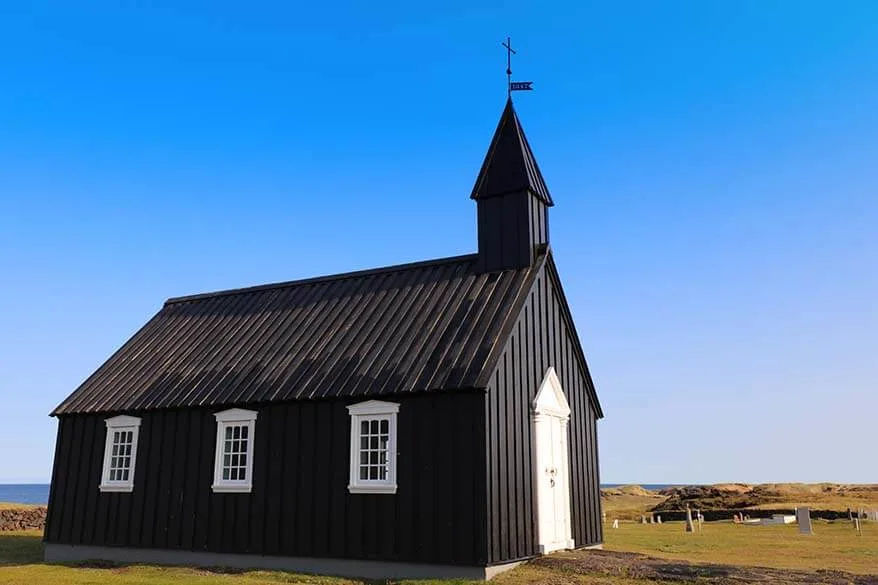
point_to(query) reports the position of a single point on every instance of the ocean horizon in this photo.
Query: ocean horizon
(38, 493)
(24, 493)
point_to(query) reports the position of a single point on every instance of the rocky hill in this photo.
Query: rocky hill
(771, 495)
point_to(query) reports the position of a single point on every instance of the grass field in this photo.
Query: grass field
(6, 506)
(833, 546)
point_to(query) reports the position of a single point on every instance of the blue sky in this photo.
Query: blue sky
(712, 163)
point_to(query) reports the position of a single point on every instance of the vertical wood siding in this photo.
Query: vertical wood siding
(540, 338)
(300, 505)
(511, 228)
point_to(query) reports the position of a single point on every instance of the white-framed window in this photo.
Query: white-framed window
(233, 461)
(373, 447)
(120, 454)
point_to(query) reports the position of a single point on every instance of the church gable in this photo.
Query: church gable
(544, 309)
(542, 337)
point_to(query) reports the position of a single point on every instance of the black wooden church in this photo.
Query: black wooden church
(426, 419)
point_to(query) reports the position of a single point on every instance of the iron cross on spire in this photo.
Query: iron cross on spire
(513, 85)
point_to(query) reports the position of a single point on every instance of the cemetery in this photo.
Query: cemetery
(650, 547)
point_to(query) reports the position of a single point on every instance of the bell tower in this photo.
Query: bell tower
(512, 198)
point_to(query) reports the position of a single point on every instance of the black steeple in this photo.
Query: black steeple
(512, 199)
(510, 164)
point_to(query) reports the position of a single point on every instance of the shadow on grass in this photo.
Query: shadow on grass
(18, 549)
(21, 549)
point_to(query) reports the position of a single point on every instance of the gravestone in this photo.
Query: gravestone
(803, 517)
(615, 523)
(658, 519)
(857, 526)
(872, 515)
(689, 526)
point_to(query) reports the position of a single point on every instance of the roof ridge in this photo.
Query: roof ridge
(324, 278)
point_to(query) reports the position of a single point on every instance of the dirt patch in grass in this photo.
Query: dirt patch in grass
(637, 566)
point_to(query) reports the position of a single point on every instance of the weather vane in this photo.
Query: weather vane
(513, 85)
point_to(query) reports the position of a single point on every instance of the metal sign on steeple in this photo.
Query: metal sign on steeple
(513, 85)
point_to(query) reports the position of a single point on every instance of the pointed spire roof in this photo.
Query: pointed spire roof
(510, 165)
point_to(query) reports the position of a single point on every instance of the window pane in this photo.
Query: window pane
(364, 457)
(382, 473)
(373, 473)
(373, 442)
(225, 473)
(385, 427)
(244, 432)
(374, 427)
(243, 459)
(364, 442)
(364, 427)
(243, 445)
(127, 463)
(115, 450)
(373, 457)
(125, 475)
(364, 472)
(228, 433)
(237, 432)
(242, 473)
(226, 460)
(234, 472)
(234, 460)
(130, 436)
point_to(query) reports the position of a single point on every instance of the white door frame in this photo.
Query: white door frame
(551, 415)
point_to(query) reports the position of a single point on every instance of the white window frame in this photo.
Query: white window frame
(121, 423)
(224, 419)
(370, 410)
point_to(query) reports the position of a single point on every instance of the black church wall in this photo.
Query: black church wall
(511, 228)
(299, 505)
(541, 337)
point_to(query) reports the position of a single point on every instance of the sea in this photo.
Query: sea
(24, 493)
(38, 493)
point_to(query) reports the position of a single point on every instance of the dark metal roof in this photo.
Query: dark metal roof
(510, 164)
(414, 327)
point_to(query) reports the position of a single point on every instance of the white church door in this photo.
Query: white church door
(551, 415)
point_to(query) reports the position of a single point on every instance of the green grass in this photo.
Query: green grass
(834, 545)
(21, 555)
